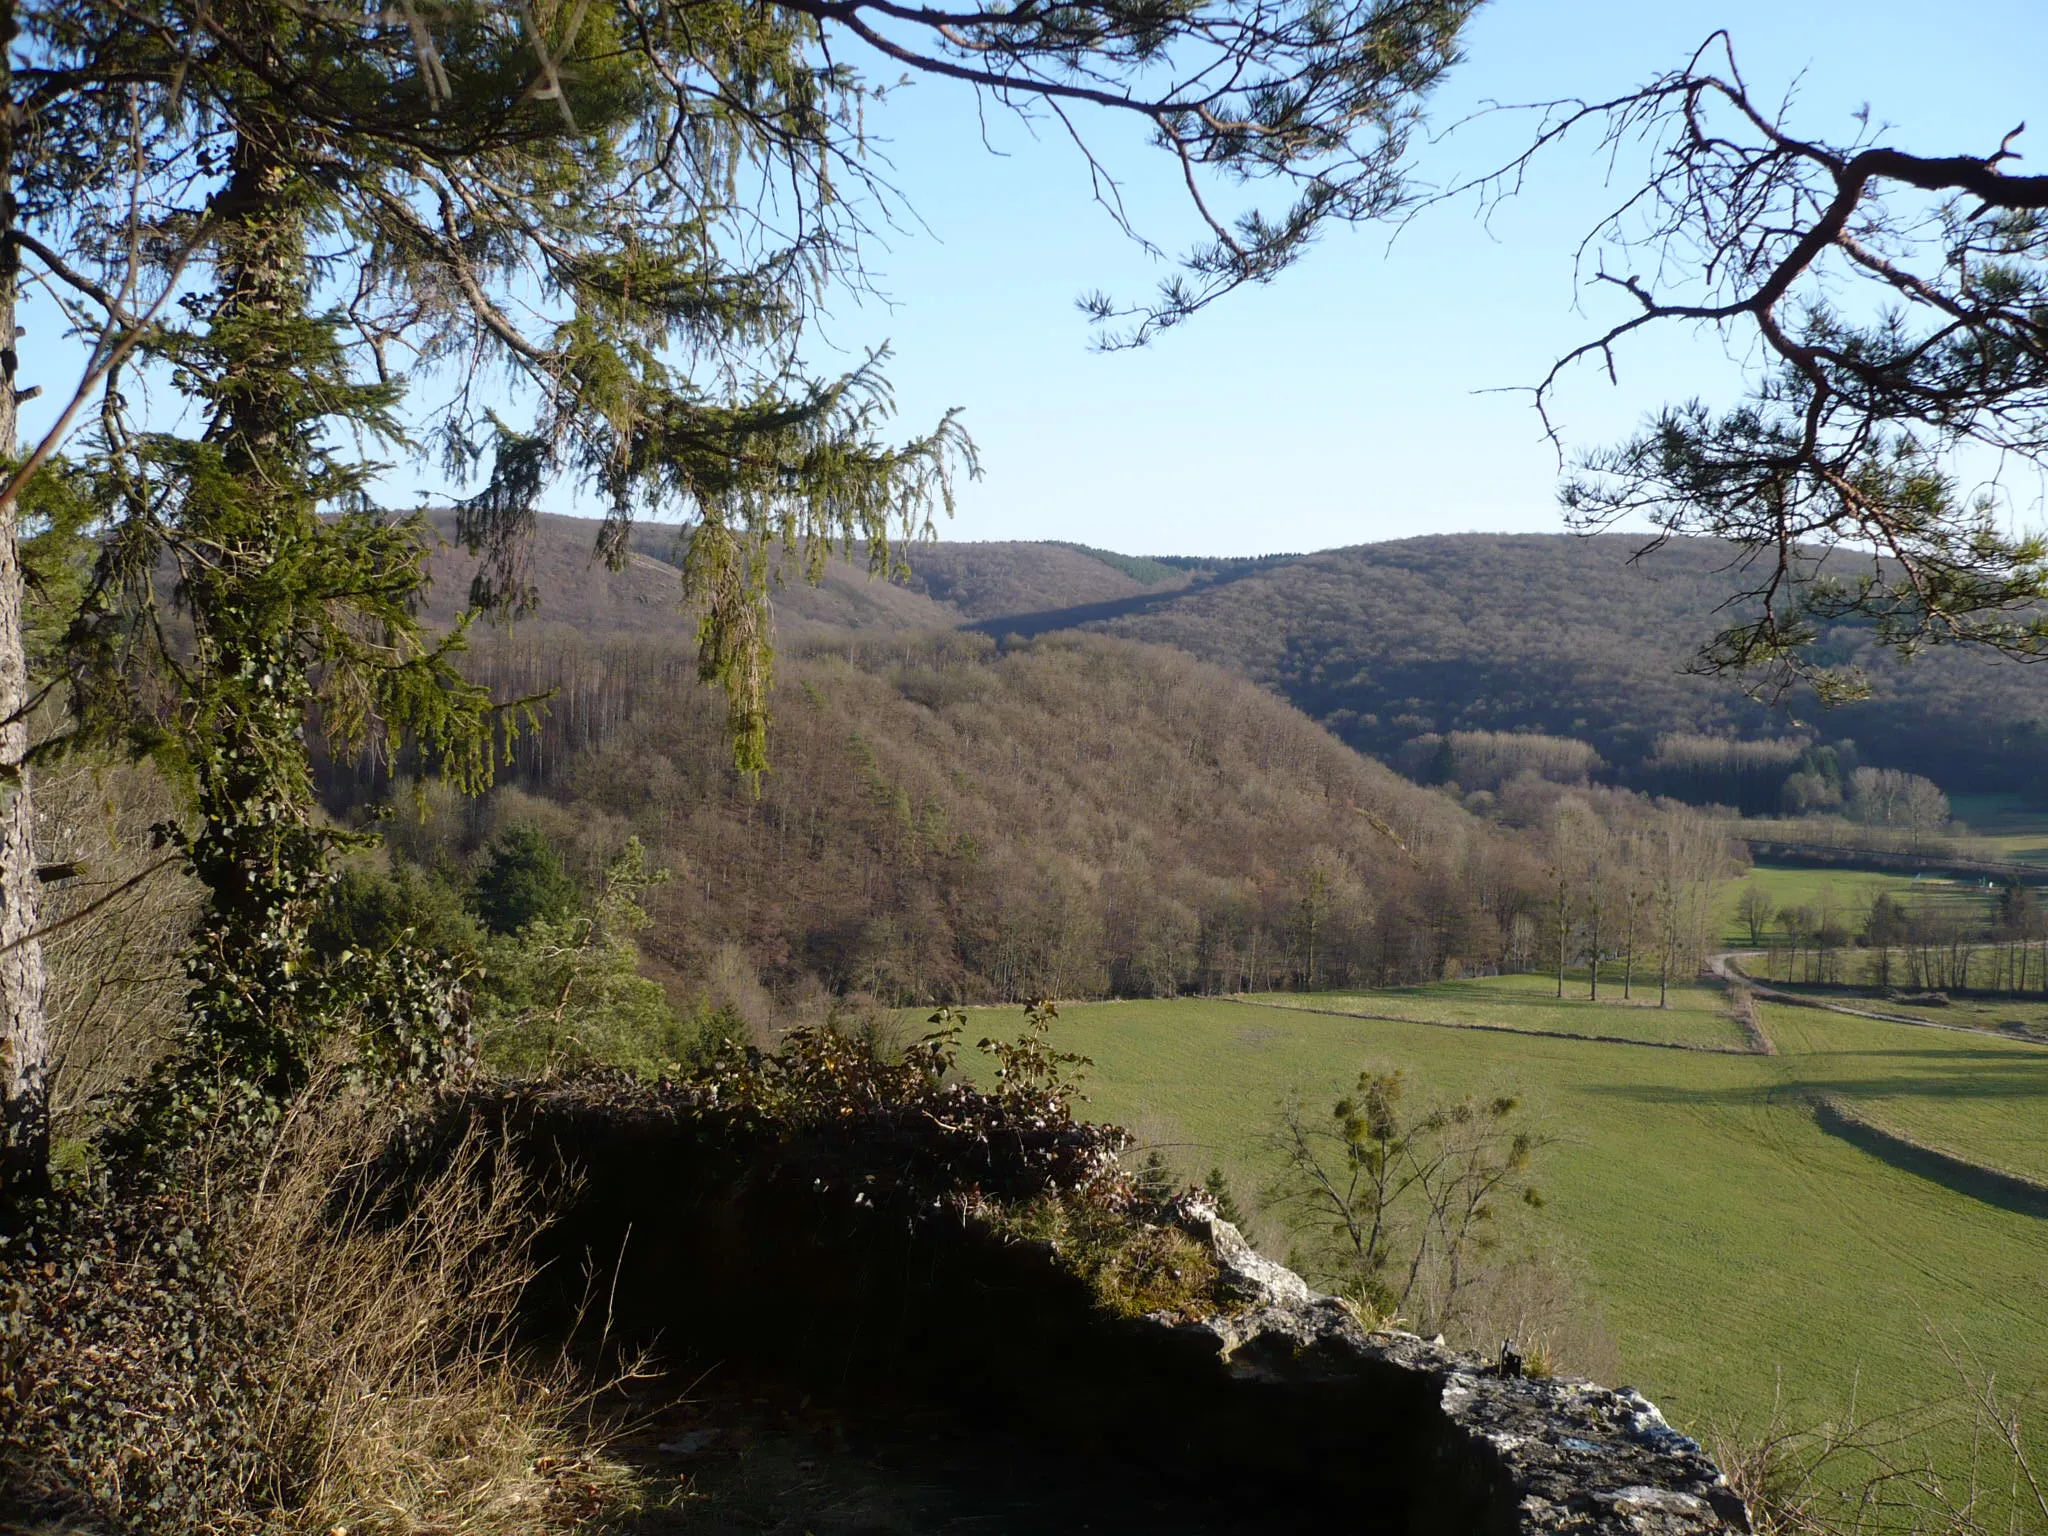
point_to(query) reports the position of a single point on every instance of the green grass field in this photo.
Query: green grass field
(1698, 1015)
(1733, 1245)
(1845, 893)
(1979, 1099)
(1993, 1014)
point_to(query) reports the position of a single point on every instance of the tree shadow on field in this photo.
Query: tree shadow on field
(1987, 1186)
(2018, 1082)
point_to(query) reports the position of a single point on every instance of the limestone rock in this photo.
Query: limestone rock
(1572, 1456)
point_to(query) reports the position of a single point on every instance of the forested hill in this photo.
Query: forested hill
(947, 585)
(946, 818)
(641, 599)
(1566, 636)
(1397, 643)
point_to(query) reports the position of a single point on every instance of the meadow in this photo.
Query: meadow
(2020, 1016)
(1738, 1252)
(1846, 894)
(1697, 1016)
(2004, 826)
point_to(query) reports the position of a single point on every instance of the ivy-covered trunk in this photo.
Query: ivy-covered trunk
(269, 374)
(24, 1032)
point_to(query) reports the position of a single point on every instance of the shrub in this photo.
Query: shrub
(366, 912)
(851, 1111)
(1405, 1211)
(896, 1127)
(565, 993)
(1218, 1187)
(1134, 1267)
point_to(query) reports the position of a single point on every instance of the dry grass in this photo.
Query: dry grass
(404, 1401)
(317, 1339)
(1873, 1475)
(116, 988)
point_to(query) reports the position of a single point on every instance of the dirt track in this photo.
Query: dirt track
(1723, 965)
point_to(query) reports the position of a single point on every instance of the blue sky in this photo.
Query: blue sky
(1348, 401)
(1368, 393)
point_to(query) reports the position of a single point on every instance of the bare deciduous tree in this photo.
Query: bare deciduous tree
(1899, 302)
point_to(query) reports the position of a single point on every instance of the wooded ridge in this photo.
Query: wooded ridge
(1394, 643)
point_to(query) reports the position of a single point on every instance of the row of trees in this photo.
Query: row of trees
(1935, 943)
(1641, 893)
(1488, 759)
(1754, 777)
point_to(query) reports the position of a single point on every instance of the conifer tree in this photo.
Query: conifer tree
(629, 211)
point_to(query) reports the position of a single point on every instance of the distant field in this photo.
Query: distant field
(1992, 1013)
(1846, 893)
(2004, 826)
(1733, 1245)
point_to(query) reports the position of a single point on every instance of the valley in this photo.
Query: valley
(570, 967)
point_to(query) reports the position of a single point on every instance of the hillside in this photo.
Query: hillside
(947, 819)
(1390, 644)
(578, 591)
(948, 584)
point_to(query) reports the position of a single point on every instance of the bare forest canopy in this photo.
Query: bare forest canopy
(949, 819)
(1399, 646)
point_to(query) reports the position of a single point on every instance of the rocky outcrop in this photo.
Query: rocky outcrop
(1278, 1403)
(1542, 1454)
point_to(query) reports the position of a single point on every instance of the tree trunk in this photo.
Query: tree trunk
(24, 1032)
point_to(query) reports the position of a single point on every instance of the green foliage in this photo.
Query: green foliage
(294, 602)
(1141, 569)
(108, 1317)
(1218, 1189)
(901, 1131)
(1154, 1180)
(58, 515)
(1135, 1268)
(367, 912)
(2019, 911)
(899, 1127)
(564, 991)
(1034, 1081)
(1402, 1211)
(524, 882)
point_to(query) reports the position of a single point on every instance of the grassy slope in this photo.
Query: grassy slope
(1728, 1238)
(1993, 1013)
(1978, 1098)
(2005, 826)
